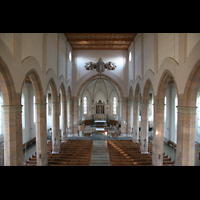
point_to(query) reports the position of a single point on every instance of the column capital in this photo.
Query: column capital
(12, 108)
(186, 110)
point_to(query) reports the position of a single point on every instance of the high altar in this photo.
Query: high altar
(100, 110)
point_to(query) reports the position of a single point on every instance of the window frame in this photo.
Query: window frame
(114, 105)
(85, 105)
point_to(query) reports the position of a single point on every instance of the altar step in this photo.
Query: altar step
(100, 155)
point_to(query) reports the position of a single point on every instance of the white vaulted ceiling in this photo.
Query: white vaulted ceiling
(100, 91)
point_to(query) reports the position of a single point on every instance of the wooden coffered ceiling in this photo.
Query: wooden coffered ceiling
(100, 41)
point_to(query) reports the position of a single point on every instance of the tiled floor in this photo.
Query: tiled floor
(100, 155)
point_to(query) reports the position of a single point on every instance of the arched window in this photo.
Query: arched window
(176, 104)
(198, 114)
(1, 114)
(70, 56)
(114, 105)
(165, 109)
(23, 112)
(34, 112)
(85, 105)
(130, 57)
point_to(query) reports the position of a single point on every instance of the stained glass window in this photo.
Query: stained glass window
(198, 114)
(23, 112)
(85, 105)
(1, 114)
(114, 105)
(34, 111)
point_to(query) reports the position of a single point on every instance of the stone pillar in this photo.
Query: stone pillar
(64, 121)
(144, 128)
(13, 148)
(185, 152)
(130, 114)
(81, 111)
(119, 111)
(55, 131)
(158, 135)
(124, 116)
(75, 116)
(41, 134)
(93, 115)
(135, 122)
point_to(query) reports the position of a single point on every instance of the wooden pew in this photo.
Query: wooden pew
(72, 153)
(127, 153)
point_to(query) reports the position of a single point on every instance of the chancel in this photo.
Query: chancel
(99, 99)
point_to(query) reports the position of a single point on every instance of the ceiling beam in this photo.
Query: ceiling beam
(97, 40)
(99, 34)
(89, 48)
(116, 45)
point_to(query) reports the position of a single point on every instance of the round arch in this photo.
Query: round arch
(137, 93)
(147, 86)
(52, 84)
(166, 76)
(35, 79)
(192, 86)
(7, 85)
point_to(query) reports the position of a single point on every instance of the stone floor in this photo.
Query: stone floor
(100, 155)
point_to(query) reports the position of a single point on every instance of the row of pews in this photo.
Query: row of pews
(32, 161)
(127, 153)
(72, 153)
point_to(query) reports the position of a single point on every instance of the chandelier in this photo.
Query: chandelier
(100, 66)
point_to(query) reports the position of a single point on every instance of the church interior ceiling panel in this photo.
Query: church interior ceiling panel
(100, 41)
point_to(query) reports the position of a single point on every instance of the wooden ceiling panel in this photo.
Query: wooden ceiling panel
(101, 41)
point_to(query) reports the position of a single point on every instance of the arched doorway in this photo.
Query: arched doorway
(63, 113)
(136, 111)
(69, 112)
(54, 111)
(37, 115)
(187, 109)
(130, 112)
(159, 106)
(146, 116)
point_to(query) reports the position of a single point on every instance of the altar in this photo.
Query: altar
(99, 110)
(100, 125)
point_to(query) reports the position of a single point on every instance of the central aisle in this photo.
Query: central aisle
(100, 155)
